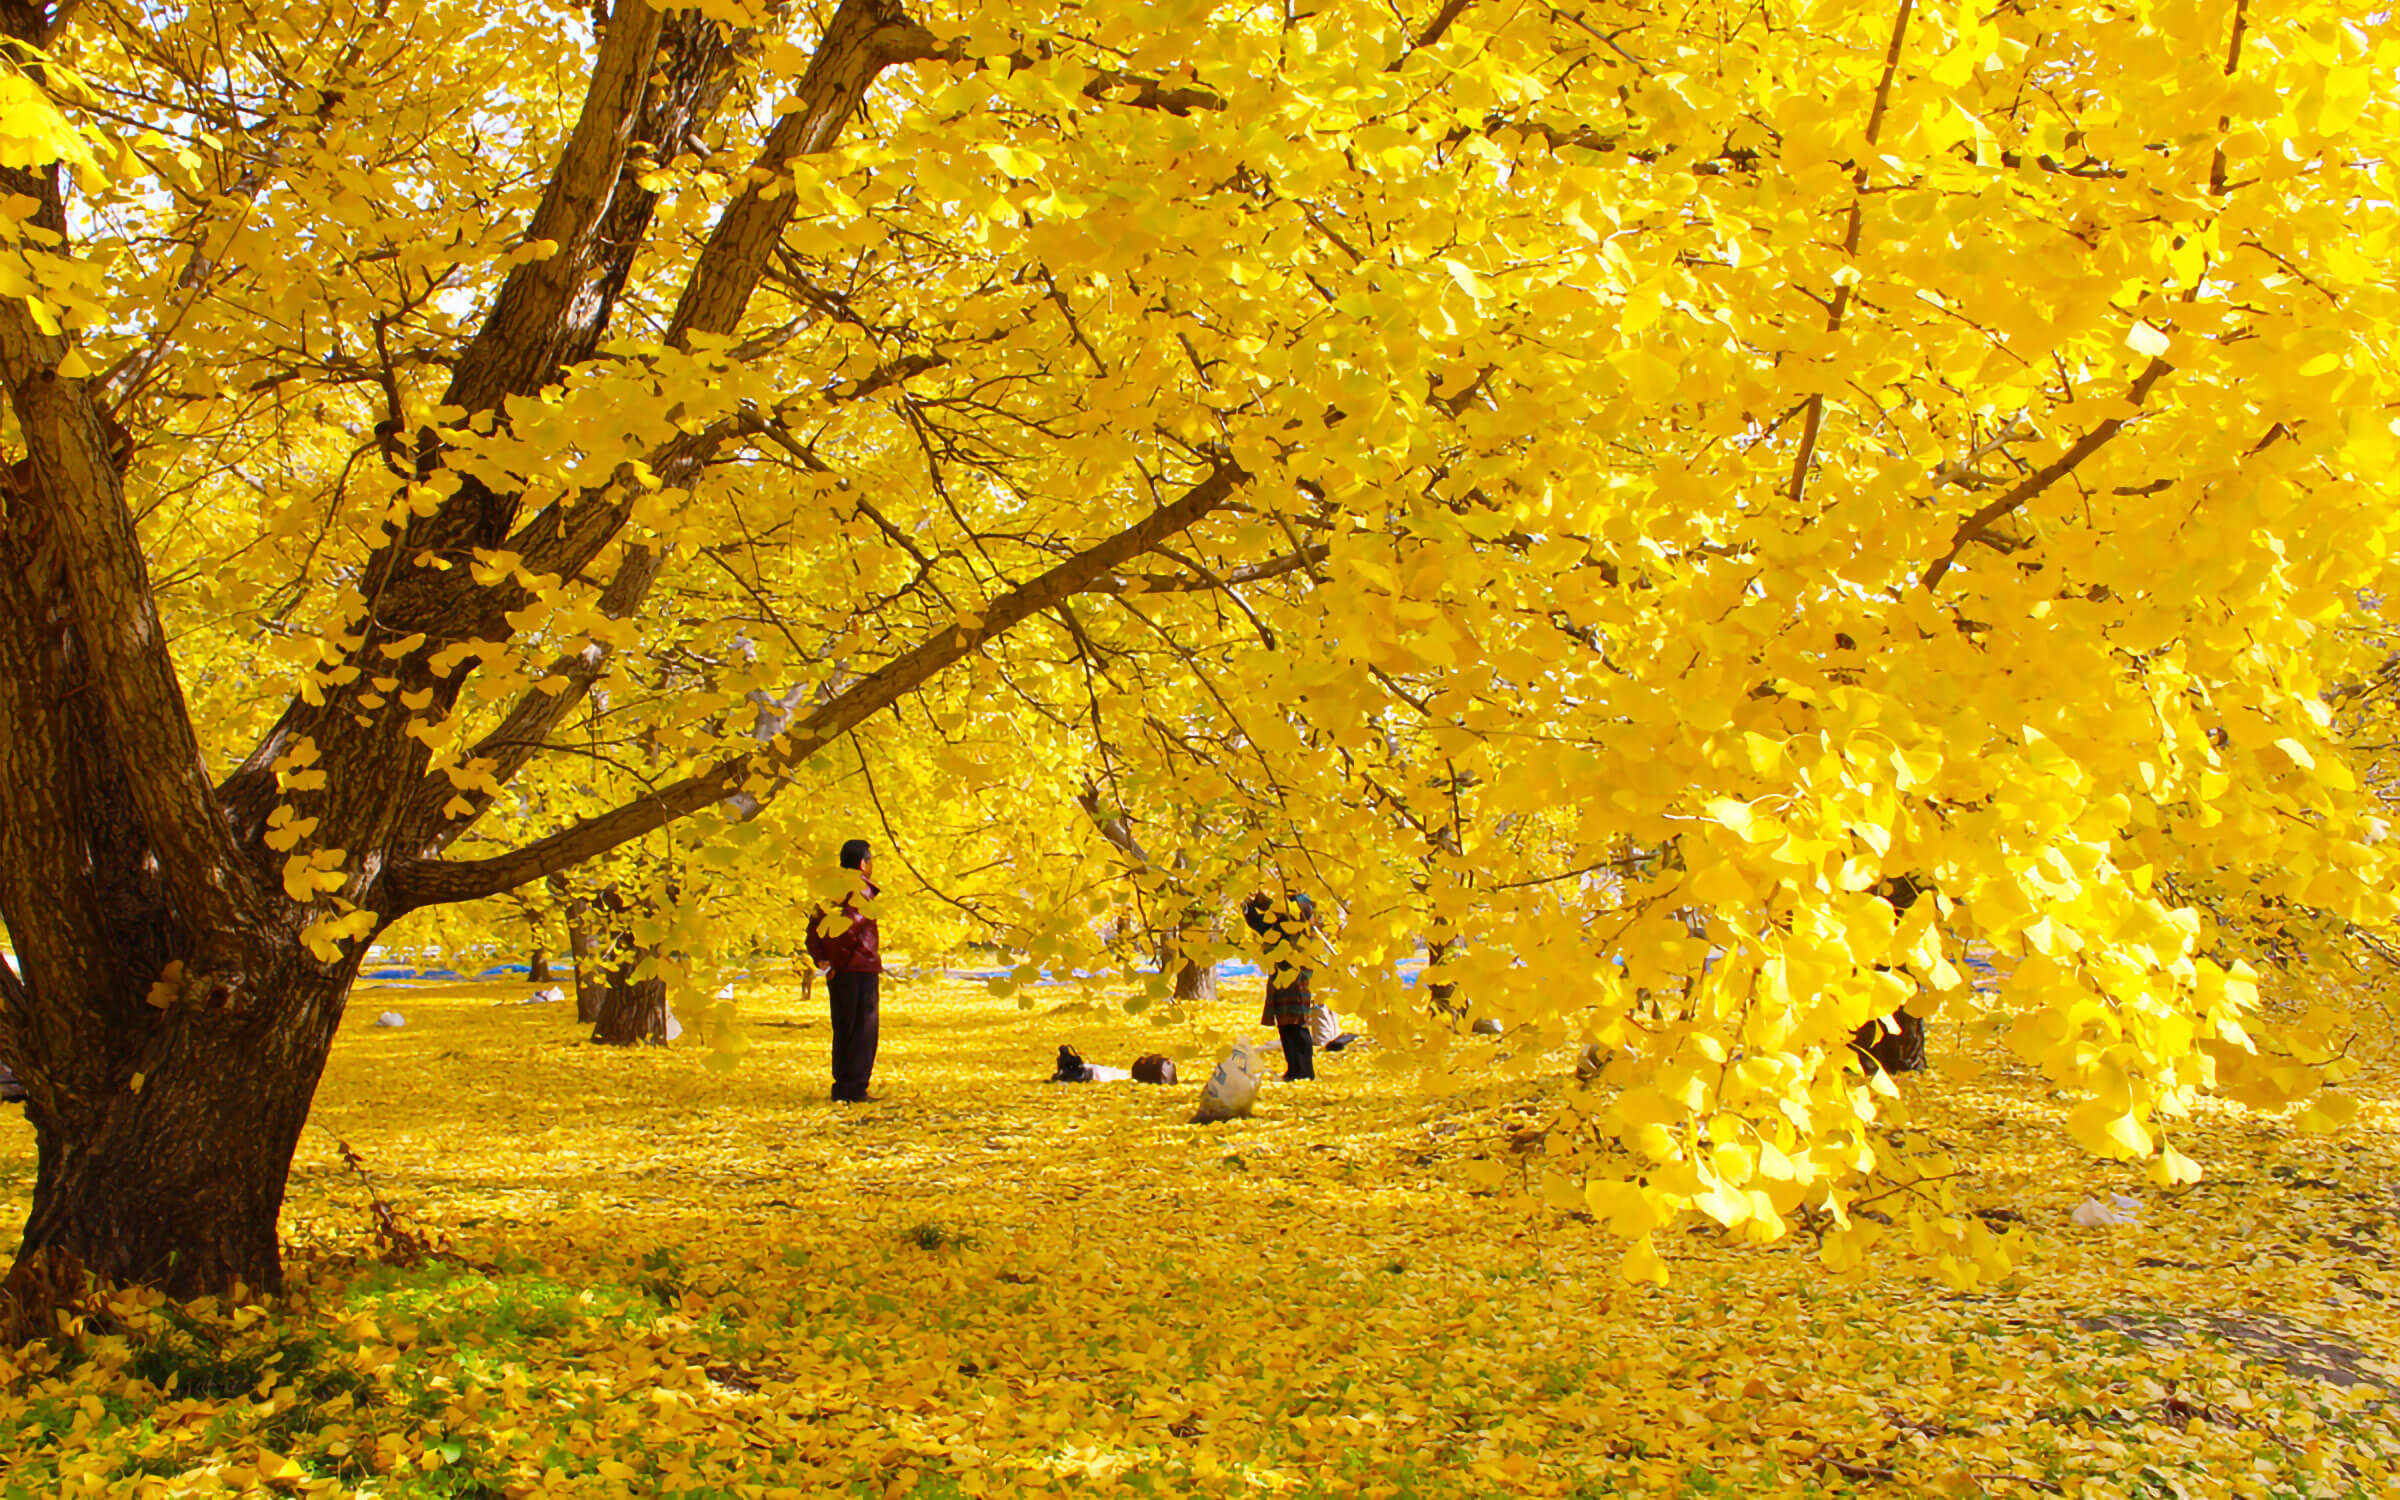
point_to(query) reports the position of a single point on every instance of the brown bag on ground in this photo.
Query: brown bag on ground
(1153, 1067)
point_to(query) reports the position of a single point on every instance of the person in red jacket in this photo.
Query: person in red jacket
(853, 962)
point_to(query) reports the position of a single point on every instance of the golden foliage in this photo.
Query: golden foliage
(1653, 478)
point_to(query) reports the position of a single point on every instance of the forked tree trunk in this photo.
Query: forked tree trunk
(168, 1022)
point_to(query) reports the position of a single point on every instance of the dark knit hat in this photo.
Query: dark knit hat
(855, 853)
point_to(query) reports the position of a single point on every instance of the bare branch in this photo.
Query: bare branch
(1813, 424)
(2041, 479)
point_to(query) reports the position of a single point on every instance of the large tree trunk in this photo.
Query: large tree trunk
(162, 1013)
(178, 1178)
(164, 1140)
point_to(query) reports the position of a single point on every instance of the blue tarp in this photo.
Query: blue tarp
(1232, 968)
(390, 971)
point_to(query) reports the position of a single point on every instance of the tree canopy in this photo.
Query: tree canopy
(1599, 490)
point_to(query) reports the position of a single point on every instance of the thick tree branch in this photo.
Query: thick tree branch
(69, 494)
(1114, 826)
(2233, 64)
(515, 349)
(428, 883)
(863, 38)
(526, 731)
(548, 315)
(1201, 580)
(1441, 23)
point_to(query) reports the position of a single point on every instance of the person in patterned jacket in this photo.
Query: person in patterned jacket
(1284, 928)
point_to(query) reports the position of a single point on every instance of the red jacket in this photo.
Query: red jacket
(856, 949)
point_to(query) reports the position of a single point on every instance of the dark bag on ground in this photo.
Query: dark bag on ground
(1071, 1067)
(1153, 1067)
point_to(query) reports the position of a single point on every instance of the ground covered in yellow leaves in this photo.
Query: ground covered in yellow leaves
(659, 1278)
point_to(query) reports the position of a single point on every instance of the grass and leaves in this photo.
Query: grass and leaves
(657, 1278)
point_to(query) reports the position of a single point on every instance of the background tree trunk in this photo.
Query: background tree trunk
(1196, 982)
(1894, 1043)
(537, 966)
(1900, 1050)
(631, 1010)
(583, 955)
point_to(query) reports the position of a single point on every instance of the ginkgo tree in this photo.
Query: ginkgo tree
(1574, 474)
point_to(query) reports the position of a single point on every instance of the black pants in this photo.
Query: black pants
(852, 997)
(1299, 1053)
